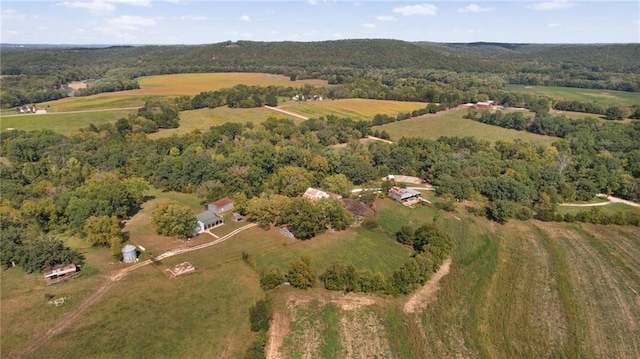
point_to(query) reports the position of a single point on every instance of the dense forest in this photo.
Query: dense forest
(38, 74)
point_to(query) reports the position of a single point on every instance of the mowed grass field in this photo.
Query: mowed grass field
(452, 123)
(204, 118)
(602, 97)
(357, 109)
(62, 123)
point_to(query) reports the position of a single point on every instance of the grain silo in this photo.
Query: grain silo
(129, 254)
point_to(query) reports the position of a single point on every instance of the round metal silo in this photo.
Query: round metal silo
(129, 254)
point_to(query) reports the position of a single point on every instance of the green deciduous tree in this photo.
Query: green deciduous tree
(172, 219)
(300, 273)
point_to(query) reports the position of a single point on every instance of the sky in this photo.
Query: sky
(119, 22)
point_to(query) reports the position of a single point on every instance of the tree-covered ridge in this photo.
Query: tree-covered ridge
(340, 62)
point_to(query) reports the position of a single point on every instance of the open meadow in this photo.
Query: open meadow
(356, 109)
(601, 97)
(64, 123)
(452, 123)
(204, 118)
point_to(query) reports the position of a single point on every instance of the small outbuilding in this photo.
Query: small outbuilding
(237, 217)
(403, 194)
(60, 271)
(207, 220)
(221, 205)
(129, 254)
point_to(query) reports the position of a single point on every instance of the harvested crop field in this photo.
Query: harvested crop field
(537, 290)
(193, 84)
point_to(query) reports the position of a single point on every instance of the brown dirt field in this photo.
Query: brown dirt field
(363, 336)
(610, 302)
(427, 293)
(309, 340)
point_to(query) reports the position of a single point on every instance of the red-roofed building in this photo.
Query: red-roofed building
(221, 205)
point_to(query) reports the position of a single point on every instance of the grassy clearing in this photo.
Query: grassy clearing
(362, 248)
(452, 123)
(109, 100)
(357, 109)
(203, 315)
(602, 97)
(203, 119)
(62, 123)
(608, 209)
(193, 84)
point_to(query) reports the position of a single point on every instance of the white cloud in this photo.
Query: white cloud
(385, 18)
(192, 17)
(11, 14)
(131, 2)
(245, 18)
(174, 1)
(368, 26)
(316, 2)
(553, 5)
(474, 8)
(553, 24)
(423, 9)
(337, 35)
(130, 22)
(123, 26)
(96, 6)
(13, 32)
(247, 35)
(232, 32)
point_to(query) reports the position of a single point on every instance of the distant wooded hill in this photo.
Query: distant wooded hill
(388, 54)
(39, 72)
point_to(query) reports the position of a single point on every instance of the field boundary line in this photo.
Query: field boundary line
(286, 112)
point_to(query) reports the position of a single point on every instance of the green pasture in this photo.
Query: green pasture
(203, 119)
(63, 123)
(602, 97)
(148, 315)
(356, 109)
(452, 123)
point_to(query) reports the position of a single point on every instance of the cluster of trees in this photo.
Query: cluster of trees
(109, 85)
(242, 96)
(34, 255)
(299, 275)
(305, 218)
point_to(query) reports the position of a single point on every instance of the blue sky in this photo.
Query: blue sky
(202, 22)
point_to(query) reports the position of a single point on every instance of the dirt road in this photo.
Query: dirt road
(287, 112)
(69, 318)
(427, 293)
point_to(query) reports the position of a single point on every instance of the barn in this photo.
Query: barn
(221, 205)
(403, 194)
